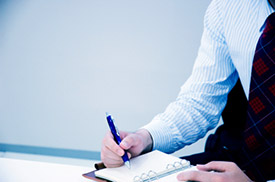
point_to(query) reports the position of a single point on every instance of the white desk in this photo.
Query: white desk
(15, 170)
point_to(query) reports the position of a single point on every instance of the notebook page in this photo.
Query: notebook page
(155, 161)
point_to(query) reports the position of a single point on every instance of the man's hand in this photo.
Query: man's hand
(134, 143)
(215, 172)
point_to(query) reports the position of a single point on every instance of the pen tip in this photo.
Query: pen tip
(107, 114)
(127, 163)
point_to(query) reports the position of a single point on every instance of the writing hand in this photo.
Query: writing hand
(134, 143)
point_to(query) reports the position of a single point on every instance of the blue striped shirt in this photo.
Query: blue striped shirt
(231, 31)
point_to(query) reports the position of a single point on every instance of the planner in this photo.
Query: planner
(154, 166)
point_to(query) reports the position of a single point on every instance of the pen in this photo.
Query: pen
(117, 138)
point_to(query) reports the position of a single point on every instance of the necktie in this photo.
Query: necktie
(259, 133)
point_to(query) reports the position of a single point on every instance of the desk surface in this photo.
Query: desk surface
(15, 170)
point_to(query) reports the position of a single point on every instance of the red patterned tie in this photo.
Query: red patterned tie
(259, 134)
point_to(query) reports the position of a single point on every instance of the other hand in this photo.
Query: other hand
(215, 171)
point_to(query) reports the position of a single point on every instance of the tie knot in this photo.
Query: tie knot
(270, 25)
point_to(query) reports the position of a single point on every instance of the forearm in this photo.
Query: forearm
(184, 122)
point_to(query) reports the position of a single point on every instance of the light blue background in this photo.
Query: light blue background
(63, 64)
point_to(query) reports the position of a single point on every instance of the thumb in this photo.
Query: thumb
(128, 142)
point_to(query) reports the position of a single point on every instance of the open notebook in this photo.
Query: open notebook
(153, 166)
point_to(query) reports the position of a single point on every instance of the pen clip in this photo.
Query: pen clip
(117, 131)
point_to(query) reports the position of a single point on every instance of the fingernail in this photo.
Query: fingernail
(125, 144)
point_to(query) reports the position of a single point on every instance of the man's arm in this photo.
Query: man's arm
(202, 98)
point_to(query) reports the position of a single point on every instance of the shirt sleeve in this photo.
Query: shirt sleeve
(202, 98)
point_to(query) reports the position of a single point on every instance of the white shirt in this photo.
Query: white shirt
(231, 32)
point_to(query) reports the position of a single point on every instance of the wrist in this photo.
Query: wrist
(147, 140)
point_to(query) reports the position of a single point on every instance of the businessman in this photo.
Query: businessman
(237, 42)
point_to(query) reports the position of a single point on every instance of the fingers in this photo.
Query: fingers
(220, 166)
(109, 158)
(111, 152)
(110, 143)
(201, 176)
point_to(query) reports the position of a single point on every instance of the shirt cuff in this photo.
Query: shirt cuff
(161, 135)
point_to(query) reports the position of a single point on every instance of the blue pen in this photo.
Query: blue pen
(117, 138)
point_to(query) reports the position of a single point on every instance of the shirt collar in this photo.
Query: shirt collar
(264, 11)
